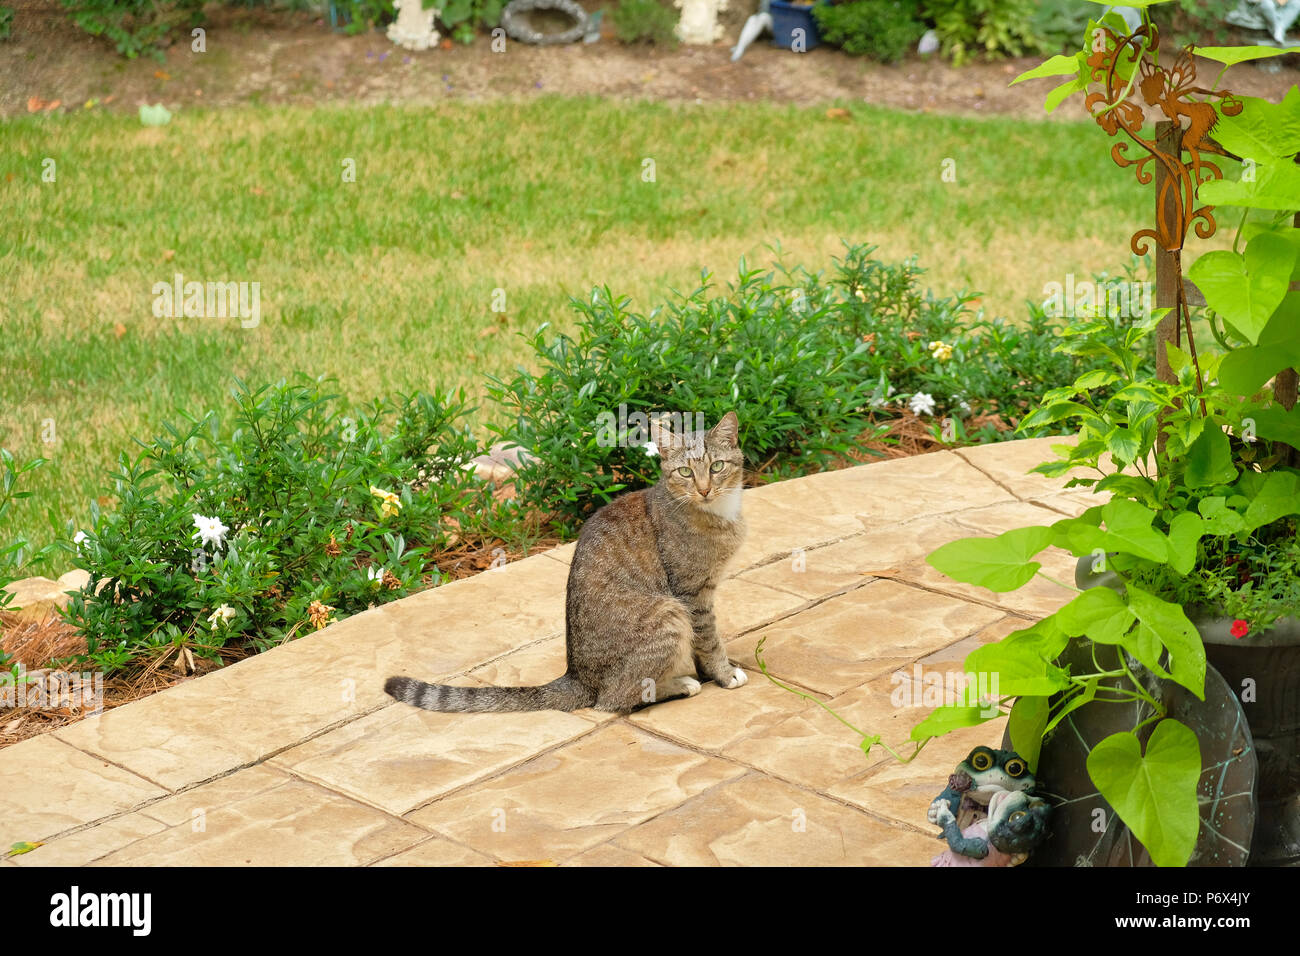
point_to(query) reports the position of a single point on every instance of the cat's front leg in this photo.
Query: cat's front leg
(711, 661)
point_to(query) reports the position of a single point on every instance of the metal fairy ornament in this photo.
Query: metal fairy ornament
(1192, 120)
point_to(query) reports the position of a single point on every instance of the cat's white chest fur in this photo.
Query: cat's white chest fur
(725, 506)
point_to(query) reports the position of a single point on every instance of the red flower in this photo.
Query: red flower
(1240, 629)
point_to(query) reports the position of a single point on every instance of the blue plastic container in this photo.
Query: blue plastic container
(787, 18)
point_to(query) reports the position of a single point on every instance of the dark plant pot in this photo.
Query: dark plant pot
(1257, 676)
(788, 18)
(1086, 831)
(1263, 670)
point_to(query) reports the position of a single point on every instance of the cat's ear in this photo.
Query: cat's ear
(664, 439)
(727, 431)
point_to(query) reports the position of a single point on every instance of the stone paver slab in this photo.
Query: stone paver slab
(575, 797)
(847, 640)
(295, 824)
(1009, 463)
(716, 717)
(890, 492)
(1039, 598)
(88, 845)
(402, 757)
(757, 821)
(742, 605)
(813, 749)
(436, 851)
(47, 787)
(777, 522)
(609, 855)
(823, 571)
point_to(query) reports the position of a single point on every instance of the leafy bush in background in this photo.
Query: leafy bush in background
(6, 22)
(762, 348)
(323, 516)
(1060, 23)
(648, 21)
(808, 362)
(461, 17)
(135, 26)
(884, 30)
(990, 28)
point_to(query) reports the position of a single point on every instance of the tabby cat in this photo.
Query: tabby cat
(639, 608)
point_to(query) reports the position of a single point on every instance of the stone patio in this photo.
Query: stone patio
(296, 757)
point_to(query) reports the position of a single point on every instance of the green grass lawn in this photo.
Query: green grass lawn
(388, 283)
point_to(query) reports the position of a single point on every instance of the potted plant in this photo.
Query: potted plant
(793, 25)
(1177, 648)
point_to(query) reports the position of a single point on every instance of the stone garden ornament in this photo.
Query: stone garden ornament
(413, 28)
(1274, 16)
(514, 19)
(755, 26)
(988, 812)
(699, 23)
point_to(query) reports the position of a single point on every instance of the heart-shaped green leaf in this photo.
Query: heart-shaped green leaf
(1247, 288)
(1232, 55)
(1209, 460)
(1154, 794)
(999, 564)
(1275, 185)
(1262, 130)
(1025, 725)
(943, 720)
(1163, 623)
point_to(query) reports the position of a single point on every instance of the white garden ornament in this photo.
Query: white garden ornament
(699, 23)
(413, 28)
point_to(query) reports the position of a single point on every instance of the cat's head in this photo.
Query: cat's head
(704, 469)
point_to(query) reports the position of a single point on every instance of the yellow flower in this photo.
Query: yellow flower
(391, 504)
(940, 352)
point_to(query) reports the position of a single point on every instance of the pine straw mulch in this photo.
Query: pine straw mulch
(35, 643)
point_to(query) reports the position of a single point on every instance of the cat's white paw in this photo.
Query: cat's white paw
(738, 679)
(690, 685)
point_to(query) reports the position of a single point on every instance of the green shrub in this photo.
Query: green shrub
(1196, 21)
(359, 16)
(992, 28)
(135, 26)
(1060, 23)
(884, 30)
(805, 360)
(323, 515)
(6, 22)
(648, 21)
(462, 17)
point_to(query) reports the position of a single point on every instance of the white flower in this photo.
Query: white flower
(375, 575)
(650, 448)
(221, 615)
(80, 538)
(921, 404)
(211, 530)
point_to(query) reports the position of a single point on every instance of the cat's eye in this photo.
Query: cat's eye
(1018, 815)
(685, 472)
(717, 466)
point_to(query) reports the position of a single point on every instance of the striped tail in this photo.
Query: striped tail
(563, 693)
